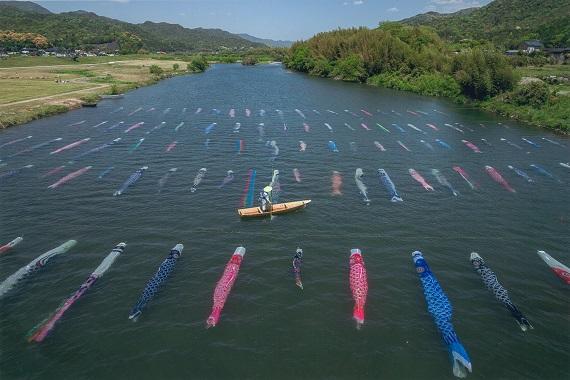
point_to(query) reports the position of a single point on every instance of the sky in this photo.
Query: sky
(274, 19)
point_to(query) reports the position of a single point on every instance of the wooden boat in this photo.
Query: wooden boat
(278, 208)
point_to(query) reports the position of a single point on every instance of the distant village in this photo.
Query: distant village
(559, 55)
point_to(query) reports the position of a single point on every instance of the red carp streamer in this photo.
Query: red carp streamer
(224, 286)
(358, 285)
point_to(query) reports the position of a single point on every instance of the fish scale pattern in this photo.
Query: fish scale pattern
(156, 281)
(439, 307)
(223, 289)
(492, 283)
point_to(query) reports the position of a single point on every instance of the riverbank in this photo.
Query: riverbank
(551, 111)
(36, 87)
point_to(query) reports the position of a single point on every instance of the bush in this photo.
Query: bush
(156, 70)
(175, 67)
(198, 64)
(114, 90)
(249, 61)
(433, 84)
(535, 93)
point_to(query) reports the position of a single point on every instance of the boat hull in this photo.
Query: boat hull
(278, 208)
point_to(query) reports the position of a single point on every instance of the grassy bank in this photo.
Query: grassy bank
(33, 87)
(552, 112)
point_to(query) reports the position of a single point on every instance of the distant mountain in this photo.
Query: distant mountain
(507, 23)
(26, 6)
(84, 29)
(268, 42)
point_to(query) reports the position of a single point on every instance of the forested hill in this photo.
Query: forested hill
(81, 29)
(506, 23)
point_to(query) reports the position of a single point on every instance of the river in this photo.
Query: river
(269, 328)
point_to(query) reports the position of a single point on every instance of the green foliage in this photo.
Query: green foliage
(249, 60)
(506, 23)
(554, 115)
(198, 63)
(350, 69)
(156, 70)
(114, 90)
(129, 43)
(85, 29)
(535, 93)
(482, 73)
(175, 67)
(90, 98)
(322, 68)
(432, 84)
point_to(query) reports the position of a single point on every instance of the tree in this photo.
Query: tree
(175, 67)
(156, 70)
(198, 64)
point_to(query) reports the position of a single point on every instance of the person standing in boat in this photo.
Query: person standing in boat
(265, 199)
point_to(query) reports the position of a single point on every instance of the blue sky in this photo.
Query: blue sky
(275, 19)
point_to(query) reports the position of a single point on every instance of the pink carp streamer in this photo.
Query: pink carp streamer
(412, 113)
(297, 175)
(465, 176)
(471, 146)
(307, 128)
(499, 178)
(134, 126)
(366, 113)
(47, 326)
(418, 177)
(224, 286)
(364, 126)
(302, 146)
(171, 146)
(433, 127)
(247, 112)
(69, 177)
(358, 285)
(232, 113)
(10, 245)
(336, 180)
(70, 146)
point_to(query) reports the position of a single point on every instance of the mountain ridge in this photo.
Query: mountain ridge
(267, 41)
(83, 29)
(506, 23)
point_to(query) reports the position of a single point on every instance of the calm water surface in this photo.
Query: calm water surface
(269, 328)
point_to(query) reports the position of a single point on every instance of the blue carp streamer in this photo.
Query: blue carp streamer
(441, 310)
(157, 281)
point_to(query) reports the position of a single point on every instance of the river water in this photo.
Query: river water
(269, 327)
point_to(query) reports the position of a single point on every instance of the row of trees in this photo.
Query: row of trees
(403, 53)
(13, 41)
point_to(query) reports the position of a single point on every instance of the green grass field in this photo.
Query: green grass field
(542, 71)
(14, 90)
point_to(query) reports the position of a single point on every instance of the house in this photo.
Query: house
(559, 55)
(531, 46)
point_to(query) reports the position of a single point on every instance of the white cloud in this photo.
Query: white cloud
(358, 2)
(392, 10)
